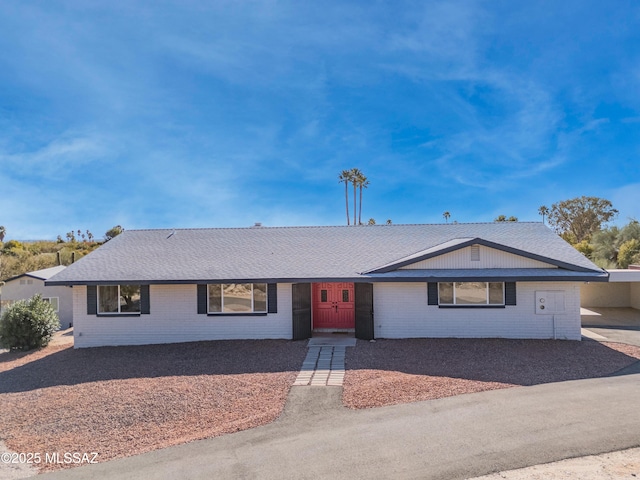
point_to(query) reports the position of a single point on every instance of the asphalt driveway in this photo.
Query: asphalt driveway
(454, 438)
(614, 324)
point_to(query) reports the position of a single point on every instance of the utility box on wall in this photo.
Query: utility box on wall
(549, 302)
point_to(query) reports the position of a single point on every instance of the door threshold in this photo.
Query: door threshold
(335, 330)
(329, 340)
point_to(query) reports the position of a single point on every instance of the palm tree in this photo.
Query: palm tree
(446, 216)
(544, 211)
(3, 232)
(355, 175)
(362, 183)
(345, 176)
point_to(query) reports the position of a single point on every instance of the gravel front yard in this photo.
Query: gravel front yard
(121, 401)
(389, 372)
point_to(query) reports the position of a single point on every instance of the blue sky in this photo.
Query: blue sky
(155, 114)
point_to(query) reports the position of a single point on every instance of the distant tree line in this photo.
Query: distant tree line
(582, 222)
(18, 257)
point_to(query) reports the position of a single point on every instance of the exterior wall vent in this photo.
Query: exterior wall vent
(475, 253)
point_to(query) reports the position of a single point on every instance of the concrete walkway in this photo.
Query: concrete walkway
(450, 438)
(323, 366)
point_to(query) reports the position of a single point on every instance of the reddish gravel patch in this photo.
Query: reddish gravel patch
(390, 372)
(121, 401)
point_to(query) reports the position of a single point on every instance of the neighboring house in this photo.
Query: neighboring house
(28, 284)
(512, 280)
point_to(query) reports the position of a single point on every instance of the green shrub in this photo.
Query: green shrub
(28, 324)
(628, 252)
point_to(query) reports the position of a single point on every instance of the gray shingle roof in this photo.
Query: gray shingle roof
(43, 274)
(296, 253)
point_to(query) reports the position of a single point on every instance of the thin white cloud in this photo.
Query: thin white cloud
(57, 156)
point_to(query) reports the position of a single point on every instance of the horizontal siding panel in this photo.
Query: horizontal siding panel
(489, 258)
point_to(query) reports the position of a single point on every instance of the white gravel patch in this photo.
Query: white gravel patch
(10, 470)
(624, 464)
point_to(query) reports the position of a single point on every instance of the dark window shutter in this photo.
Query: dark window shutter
(432, 293)
(301, 306)
(272, 298)
(92, 300)
(364, 311)
(145, 302)
(202, 299)
(510, 293)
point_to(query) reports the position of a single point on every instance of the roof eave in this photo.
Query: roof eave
(366, 278)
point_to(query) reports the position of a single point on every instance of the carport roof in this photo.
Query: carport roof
(619, 275)
(331, 253)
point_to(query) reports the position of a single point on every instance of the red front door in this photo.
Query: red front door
(333, 305)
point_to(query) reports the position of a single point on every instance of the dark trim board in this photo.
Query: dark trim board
(594, 277)
(470, 306)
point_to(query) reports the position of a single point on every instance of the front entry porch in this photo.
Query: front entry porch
(332, 307)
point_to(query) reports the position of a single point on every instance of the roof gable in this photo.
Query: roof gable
(461, 243)
(43, 274)
(477, 257)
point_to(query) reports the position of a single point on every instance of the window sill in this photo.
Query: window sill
(471, 306)
(249, 314)
(118, 315)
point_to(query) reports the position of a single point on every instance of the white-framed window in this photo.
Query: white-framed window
(237, 298)
(54, 301)
(471, 293)
(114, 299)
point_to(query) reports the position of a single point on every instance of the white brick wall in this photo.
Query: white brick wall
(635, 295)
(598, 294)
(174, 318)
(401, 311)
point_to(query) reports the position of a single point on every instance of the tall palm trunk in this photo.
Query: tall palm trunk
(355, 177)
(355, 183)
(346, 200)
(360, 185)
(345, 176)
